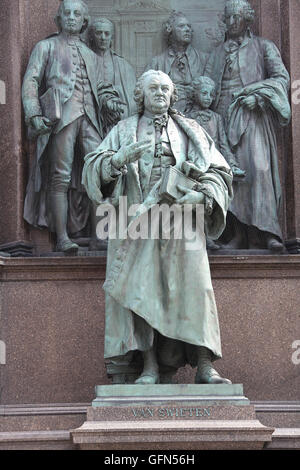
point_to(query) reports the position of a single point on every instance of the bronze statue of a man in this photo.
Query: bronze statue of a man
(114, 68)
(160, 303)
(252, 96)
(181, 61)
(63, 80)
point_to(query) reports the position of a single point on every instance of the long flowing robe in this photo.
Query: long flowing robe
(252, 133)
(257, 200)
(124, 83)
(157, 283)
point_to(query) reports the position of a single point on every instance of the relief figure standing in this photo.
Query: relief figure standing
(181, 61)
(64, 74)
(252, 96)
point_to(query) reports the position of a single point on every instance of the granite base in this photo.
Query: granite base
(166, 417)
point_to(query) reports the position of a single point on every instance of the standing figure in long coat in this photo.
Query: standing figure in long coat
(181, 61)
(114, 68)
(252, 96)
(159, 297)
(63, 68)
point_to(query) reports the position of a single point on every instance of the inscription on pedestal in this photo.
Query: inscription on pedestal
(164, 413)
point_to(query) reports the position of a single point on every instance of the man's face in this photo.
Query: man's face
(182, 31)
(204, 96)
(103, 35)
(235, 21)
(158, 90)
(72, 17)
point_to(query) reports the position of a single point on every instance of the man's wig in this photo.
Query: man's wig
(244, 5)
(139, 93)
(168, 25)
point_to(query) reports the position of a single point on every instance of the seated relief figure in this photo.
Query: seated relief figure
(114, 68)
(203, 96)
(252, 96)
(180, 60)
(62, 93)
(160, 303)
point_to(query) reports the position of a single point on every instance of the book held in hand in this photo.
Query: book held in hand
(171, 179)
(51, 104)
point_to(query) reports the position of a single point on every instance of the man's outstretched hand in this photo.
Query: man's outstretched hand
(130, 153)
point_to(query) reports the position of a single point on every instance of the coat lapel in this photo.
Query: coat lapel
(129, 136)
(178, 142)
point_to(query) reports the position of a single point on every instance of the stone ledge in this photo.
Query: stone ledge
(81, 408)
(44, 409)
(284, 439)
(164, 394)
(34, 436)
(56, 269)
(36, 440)
(93, 268)
(276, 406)
(152, 435)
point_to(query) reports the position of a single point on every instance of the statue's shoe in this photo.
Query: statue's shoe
(275, 245)
(97, 245)
(211, 245)
(67, 246)
(210, 376)
(148, 378)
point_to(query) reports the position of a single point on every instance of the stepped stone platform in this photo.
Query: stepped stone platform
(169, 417)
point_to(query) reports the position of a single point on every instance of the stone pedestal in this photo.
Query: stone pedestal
(166, 417)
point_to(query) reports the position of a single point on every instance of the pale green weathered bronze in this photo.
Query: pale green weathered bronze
(181, 61)
(113, 67)
(160, 305)
(252, 86)
(62, 95)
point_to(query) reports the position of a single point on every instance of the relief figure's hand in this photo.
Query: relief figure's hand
(115, 105)
(249, 102)
(41, 125)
